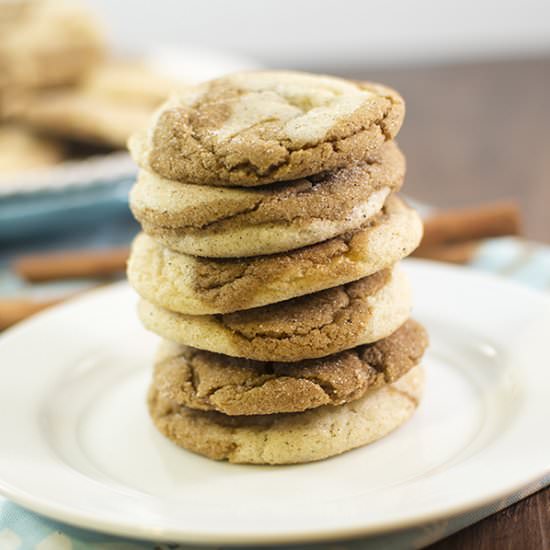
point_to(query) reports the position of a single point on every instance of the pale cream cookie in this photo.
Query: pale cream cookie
(198, 286)
(254, 128)
(22, 150)
(307, 327)
(227, 222)
(79, 116)
(130, 81)
(292, 437)
(113, 101)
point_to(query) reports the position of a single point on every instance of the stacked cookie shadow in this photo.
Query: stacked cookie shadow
(267, 262)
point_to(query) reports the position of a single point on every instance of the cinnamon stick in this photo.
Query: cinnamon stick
(71, 264)
(455, 253)
(454, 235)
(469, 224)
(14, 310)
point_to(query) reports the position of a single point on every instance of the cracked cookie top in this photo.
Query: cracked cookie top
(310, 326)
(209, 381)
(255, 128)
(289, 438)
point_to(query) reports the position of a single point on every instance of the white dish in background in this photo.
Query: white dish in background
(105, 169)
(78, 446)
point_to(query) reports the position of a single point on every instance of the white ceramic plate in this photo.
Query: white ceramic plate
(77, 444)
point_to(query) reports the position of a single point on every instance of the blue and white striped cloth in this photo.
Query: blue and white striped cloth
(525, 262)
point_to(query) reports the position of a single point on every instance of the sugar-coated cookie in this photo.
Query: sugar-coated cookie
(198, 286)
(293, 437)
(254, 128)
(228, 222)
(209, 381)
(311, 326)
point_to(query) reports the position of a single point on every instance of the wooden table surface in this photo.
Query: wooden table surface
(477, 132)
(473, 133)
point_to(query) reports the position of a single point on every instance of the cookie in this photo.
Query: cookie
(198, 286)
(254, 128)
(46, 43)
(290, 438)
(209, 381)
(227, 222)
(79, 116)
(307, 327)
(21, 150)
(130, 81)
(112, 102)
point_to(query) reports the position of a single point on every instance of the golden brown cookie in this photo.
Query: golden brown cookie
(198, 286)
(80, 116)
(307, 327)
(227, 222)
(290, 438)
(209, 381)
(127, 81)
(21, 150)
(113, 101)
(46, 43)
(254, 128)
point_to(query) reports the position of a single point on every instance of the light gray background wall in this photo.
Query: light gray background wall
(316, 33)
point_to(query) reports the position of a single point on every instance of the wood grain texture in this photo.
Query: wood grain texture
(525, 525)
(477, 133)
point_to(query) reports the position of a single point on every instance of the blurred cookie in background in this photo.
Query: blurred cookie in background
(132, 81)
(22, 150)
(79, 116)
(45, 43)
(111, 102)
(68, 103)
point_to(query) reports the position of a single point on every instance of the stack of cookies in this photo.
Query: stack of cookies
(267, 263)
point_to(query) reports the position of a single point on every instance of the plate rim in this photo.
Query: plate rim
(247, 539)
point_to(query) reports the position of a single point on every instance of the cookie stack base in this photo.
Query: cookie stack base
(293, 437)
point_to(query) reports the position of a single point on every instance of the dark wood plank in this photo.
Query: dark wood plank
(525, 525)
(477, 132)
